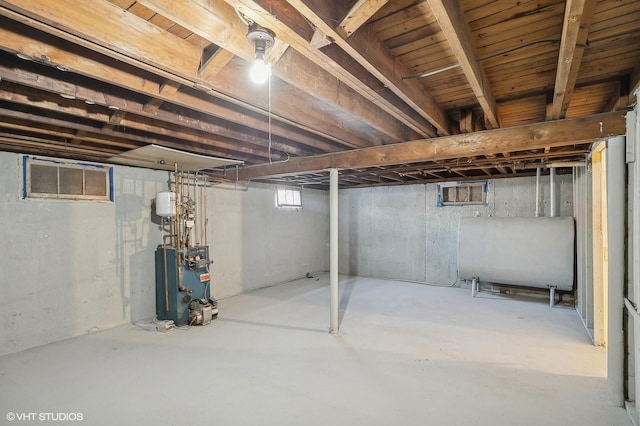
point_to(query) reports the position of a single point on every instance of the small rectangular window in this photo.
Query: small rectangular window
(288, 198)
(459, 193)
(60, 179)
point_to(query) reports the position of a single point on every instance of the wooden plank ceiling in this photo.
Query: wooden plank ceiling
(388, 91)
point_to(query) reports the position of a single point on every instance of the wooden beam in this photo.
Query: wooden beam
(536, 136)
(14, 39)
(319, 39)
(466, 121)
(41, 146)
(114, 120)
(296, 31)
(360, 13)
(276, 51)
(456, 29)
(164, 123)
(167, 88)
(218, 23)
(634, 85)
(77, 140)
(619, 97)
(210, 67)
(575, 30)
(147, 45)
(123, 140)
(372, 54)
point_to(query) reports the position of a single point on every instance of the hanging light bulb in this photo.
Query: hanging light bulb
(261, 39)
(260, 71)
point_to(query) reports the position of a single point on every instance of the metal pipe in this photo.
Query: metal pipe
(554, 164)
(538, 172)
(178, 224)
(474, 286)
(552, 191)
(552, 296)
(205, 217)
(166, 273)
(333, 249)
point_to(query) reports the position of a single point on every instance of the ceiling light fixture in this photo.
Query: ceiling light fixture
(261, 39)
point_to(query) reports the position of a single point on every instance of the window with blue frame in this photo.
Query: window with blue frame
(65, 179)
(462, 193)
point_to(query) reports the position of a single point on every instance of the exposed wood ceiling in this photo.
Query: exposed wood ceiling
(388, 91)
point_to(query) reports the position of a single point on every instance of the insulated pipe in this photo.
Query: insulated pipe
(552, 192)
(538, 192)
(333, 249)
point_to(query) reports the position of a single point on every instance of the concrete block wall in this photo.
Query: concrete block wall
(74, 267)
(399, 232)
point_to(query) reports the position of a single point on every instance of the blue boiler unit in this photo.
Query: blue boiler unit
(183, 286)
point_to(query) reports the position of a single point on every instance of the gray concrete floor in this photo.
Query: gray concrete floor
(407, 354)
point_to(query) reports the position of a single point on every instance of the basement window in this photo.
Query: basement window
(288, 198)
(66, 180)
(462, 193)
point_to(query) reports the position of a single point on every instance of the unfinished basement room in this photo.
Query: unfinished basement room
(320, 212)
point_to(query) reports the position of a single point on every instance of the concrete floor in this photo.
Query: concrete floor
(407, 354)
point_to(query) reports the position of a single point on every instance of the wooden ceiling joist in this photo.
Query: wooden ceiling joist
(218, 23)
(167, 121)
(575, 30)
(295, 31)
(359, 13)
(390, 80)
(213, 64)
(105, 71)
(456, 29)
(157, 54)
(369, 51)
(126, 140)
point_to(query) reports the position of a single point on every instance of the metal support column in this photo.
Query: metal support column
(552, 191)
(538, 172)
(333, 248)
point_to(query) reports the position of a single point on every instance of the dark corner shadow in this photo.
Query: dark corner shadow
(344, 300)
(264, 324)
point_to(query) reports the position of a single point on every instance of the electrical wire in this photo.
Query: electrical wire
(185, 327)
(271, 162)
(243, 18)
(168, 324)
(430, 284)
